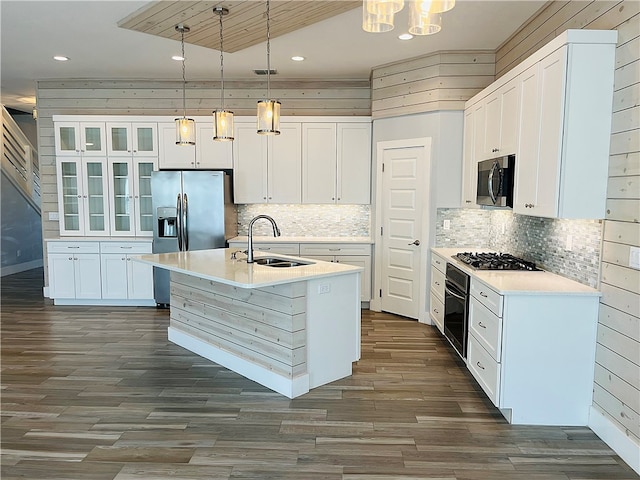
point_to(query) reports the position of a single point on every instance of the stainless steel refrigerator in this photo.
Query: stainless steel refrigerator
(193, 210)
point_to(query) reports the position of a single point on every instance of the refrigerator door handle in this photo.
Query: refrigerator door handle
(185, 222)
(179, 221)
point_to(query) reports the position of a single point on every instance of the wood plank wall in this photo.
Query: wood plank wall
(149, 97)
(439, 81)
(617, 369)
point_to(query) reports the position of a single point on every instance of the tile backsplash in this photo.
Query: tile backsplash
(570, 248)
(308, 220)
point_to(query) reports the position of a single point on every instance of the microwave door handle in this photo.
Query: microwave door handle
(179, 221)
(492, 195)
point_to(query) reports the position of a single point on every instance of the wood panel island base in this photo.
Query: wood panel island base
(289, 329)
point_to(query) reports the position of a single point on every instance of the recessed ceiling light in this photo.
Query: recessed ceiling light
(405, 36)
(60, 58)
(297, 58)
(177, 57)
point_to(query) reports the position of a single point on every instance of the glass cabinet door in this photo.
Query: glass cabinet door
(119, 139)
(145, 139)
(95, 195)
(70, 196)
(144, 210)
(120, 183)
(67, 139)
(92, 139)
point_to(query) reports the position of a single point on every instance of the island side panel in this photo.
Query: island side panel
(333, 327)
(259, 333)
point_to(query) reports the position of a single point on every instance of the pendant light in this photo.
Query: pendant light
(268, 110)
(222, 119)
(422, 20)
(185, 127)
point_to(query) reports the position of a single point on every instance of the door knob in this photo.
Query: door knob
(415, 242)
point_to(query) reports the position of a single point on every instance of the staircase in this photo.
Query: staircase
(20, 161)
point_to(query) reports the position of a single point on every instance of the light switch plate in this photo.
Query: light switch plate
(54, 216)
(447, 225)
(634, 257)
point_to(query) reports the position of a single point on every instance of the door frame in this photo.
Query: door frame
(425, 142)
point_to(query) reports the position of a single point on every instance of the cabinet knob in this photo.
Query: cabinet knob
(495, 150)
(70, 258)
(467, 201)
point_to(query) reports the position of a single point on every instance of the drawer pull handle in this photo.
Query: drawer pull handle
(73, 247)
(335, 249)
(437, 283)
(438, 262)
(480, 365)
(484, 295)
(127, 247)
(481, 325)
(435, 310)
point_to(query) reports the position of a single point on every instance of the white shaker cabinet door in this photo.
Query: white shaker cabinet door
(250, 169)
(139, 280)
(319, 163)
(354, 163)
(62, 282)
(172, 156)
(284, 171)
(114, 275)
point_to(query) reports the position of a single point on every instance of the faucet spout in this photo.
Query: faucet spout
(276, 233)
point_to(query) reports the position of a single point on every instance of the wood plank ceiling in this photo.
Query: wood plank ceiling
(245, 25)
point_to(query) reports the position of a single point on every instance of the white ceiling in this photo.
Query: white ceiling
(337, 48)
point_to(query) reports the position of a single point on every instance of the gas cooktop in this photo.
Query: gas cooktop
(495, 261)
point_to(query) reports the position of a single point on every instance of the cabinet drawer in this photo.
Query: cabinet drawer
(486, 327)
(283, 248)
(73, 247)
(437, 312)
(438, 262)
(489, 298)
(484, 368)
(125, 247)
(334, 249)
(437, 283)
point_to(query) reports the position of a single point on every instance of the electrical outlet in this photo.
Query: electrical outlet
(447, 225)
(504, 229)
(569, 243)
(634, 257)
(54, 216)
(324, 288)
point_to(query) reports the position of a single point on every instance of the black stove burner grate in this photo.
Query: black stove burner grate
(495, 261)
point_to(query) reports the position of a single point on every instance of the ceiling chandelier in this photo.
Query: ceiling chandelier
(268, 110)
(425, 16)
(185, 127)
(222, 119)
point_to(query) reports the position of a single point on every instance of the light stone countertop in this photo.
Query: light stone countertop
(100, 239)
(518, 282)
(217, 265)
(282, 239)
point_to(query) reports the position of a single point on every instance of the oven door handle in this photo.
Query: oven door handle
(454, 294)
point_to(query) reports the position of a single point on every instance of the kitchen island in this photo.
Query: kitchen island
(290, 329)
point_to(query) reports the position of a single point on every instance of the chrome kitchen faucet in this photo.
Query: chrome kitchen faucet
(276, 233)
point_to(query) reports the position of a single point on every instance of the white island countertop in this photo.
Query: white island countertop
(217, 265)
(518, 282)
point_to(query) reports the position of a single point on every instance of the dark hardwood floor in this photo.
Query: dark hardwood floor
(99, 393)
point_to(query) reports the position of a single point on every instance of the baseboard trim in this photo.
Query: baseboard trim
(608, 431)
(20, 267)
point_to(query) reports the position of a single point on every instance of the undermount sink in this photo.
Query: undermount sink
(280, 262)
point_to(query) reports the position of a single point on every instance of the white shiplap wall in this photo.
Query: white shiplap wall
(616, 394)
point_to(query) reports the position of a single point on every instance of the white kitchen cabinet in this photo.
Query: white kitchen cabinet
(501, 122)
(74, 270)
(566, 145)
(470, 163)
(130, 202)
(358, 255)
(80, 139)
(533, 354)
(170, 155)
(336, 163)
(211, 154)
(123, 278)
(436, 295)
(267, 169)
(83, 199)
(283, 248)
(132, 139)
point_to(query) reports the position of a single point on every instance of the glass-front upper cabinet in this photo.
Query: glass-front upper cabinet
(130, 192)
(80, 139)
(83, 196)
(132, 139)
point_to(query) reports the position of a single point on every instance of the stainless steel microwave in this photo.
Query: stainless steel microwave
(495, 181)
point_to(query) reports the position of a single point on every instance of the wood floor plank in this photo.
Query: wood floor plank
(99, 393)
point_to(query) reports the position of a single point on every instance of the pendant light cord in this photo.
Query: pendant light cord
(268, 56)
(221, 65)
(184, 78)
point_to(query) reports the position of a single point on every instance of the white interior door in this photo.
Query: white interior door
(402, 204)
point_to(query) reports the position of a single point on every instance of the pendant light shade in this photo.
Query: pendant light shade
(384, 7)
(268, 110)
(185, 127)
(222, 119)
(441, 6)
(423, 22)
